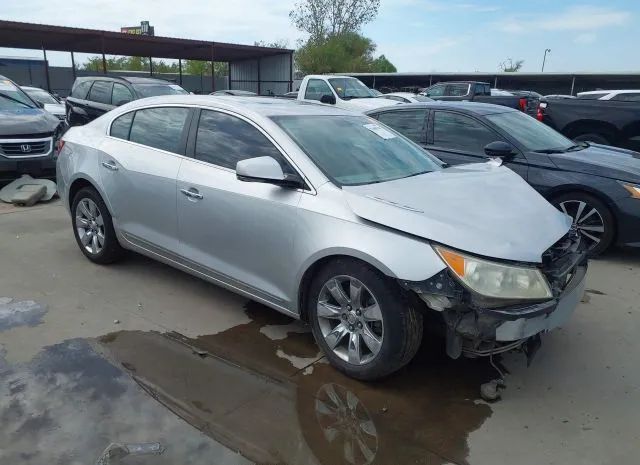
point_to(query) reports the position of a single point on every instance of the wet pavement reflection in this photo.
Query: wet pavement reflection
(260, 393)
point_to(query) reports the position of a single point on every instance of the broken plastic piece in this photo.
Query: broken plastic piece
(115, 451)
(28, 195)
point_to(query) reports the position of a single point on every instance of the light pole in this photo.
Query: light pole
(546, 50)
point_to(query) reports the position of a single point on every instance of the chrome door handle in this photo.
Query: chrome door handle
(192, 193)
(110, 165)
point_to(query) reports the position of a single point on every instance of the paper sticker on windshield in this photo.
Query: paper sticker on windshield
(379, 130)
(175, 87)
(7, 85)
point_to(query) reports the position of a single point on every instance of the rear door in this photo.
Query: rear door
(458, 138)
(99, 99)
(237, 232)
(139, 164)
(76, 104)
(411, 123)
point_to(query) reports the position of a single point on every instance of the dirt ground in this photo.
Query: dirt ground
(102, 364)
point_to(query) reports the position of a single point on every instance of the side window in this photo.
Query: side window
(80, 91)
(457, 90)
(628, 97)
(316, 88)
(409, 123)
(100, 92)
(224, 140)
(121, 126)
(160, 128)
(460, 132)
(120, 94)
(436, 91)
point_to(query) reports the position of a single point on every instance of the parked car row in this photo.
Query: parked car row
(28, 133)
(333, 217)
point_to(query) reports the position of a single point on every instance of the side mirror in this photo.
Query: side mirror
(499, 149)
(267, 170)
(328, 98)
(122, 102)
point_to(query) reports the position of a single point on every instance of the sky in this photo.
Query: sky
(415, 35)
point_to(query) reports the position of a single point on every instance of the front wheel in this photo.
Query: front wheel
(362, 320)
(592, 218)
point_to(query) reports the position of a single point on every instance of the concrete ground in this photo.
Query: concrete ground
(95, 358)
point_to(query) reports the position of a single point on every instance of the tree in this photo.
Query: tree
(324, 18)
(280, 43)
(510, 66)
(382, 65)
(346, 52)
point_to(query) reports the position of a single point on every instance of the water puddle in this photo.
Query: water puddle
(15, 313)
(263, 390)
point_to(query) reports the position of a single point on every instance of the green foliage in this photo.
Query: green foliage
(280, 43)
(159, 66)
(510, 66)
(382, 65)
(347, 53)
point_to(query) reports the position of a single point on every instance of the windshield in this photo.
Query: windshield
(12, 98)
(348, 88)
(153, 90)
(41, 96)
(355, 150)
(530, 133)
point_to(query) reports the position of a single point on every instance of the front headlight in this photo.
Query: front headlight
(496, 280)
(632, 189)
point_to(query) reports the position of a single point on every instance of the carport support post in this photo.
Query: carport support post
(104, 60)
(229, 74)
(495, 82)
(150, 67)
(180, 69)
(73, 66)
(213, 72)
(573, 83)
(259, 81)
(291, 72)
(46, 69)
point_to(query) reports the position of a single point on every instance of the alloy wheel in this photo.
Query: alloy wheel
(587, 220)
(346, 424)
(350, 320)
(90, 226)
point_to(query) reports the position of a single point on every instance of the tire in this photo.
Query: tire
(593, 137)
(603, 216)
(395, 326)
(88, 204)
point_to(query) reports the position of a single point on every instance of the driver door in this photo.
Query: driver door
(238, 233)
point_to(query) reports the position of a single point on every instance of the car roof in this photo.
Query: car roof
(476, 108)
(264, 106)
(130, 79)
(401, 94)
(32, 88)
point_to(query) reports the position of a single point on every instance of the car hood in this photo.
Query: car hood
(602, 160)
(365, 104)
(480, 208)
(26, 121)
(55, 108)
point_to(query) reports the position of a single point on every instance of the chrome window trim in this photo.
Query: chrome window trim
(311, 190)
(27, 155)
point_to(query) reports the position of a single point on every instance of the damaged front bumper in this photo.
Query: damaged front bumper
(476, 326)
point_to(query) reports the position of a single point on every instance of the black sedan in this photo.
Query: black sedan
(597, 185)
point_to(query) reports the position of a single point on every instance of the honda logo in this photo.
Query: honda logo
(26, 148)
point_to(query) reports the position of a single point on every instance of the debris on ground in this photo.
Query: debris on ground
(115, 452)
(27, 191)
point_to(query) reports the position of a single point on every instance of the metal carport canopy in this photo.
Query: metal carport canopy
(70, 39)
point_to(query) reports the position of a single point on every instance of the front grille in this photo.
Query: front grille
(25, 148)
(559, 262)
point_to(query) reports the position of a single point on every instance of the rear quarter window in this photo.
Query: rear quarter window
(81, 89)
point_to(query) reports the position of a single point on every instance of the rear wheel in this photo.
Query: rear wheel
(362, 320)
(593, 137)
(93, 227)
(592, 218)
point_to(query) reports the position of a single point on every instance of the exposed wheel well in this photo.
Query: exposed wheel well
(75, 187)
(607, 130)
(308, 275)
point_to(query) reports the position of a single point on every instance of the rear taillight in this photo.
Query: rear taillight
(540, 112)
(523, 103)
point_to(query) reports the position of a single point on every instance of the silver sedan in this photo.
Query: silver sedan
(328, 216)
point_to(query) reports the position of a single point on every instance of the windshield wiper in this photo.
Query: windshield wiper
(575, 148)
(15, 100)
(548, 151)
